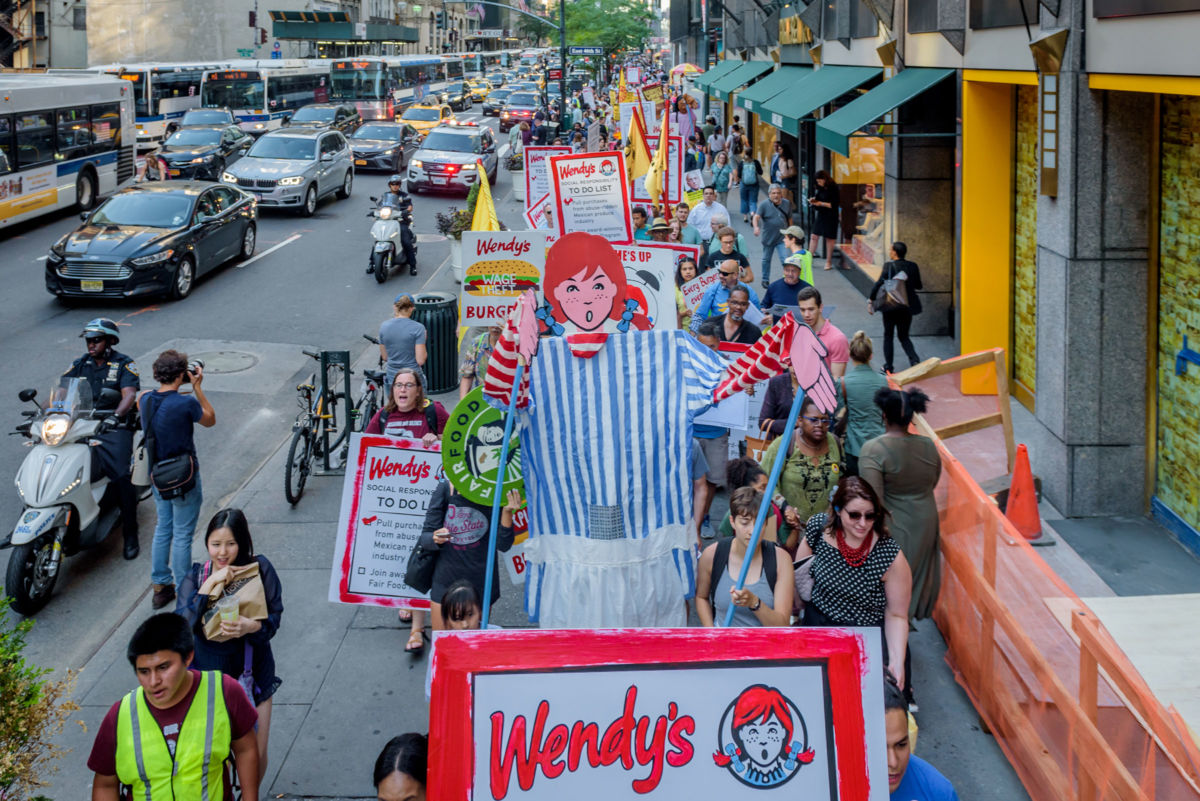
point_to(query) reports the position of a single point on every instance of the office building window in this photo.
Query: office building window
(1002, 13)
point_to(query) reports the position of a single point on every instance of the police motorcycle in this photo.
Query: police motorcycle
(391, 229)
(66, 509)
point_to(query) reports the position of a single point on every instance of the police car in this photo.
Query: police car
(446, 158)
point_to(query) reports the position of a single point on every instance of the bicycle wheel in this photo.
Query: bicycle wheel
(299, 463)
(339, 429)
(368, 405)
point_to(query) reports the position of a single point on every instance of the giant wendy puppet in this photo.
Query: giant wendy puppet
(606, 410)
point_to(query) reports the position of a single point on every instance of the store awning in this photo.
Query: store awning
(822, 86)
(768, 87)
(335, 26)
(835, 130)
(726, 85)
(309, 16)
(703, 80)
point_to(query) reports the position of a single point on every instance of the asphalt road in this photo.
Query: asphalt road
(306, 288)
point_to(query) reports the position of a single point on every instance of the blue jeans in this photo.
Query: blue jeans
(173, 534)
(772, 250)
(749, 198)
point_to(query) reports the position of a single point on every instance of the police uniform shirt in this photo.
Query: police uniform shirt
(118, 373)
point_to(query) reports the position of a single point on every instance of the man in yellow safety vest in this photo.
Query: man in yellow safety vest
(171, 737)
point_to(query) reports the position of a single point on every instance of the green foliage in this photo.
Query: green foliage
(32, 711)
(611, 24)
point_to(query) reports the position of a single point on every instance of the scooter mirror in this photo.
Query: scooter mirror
(373, 199)
(26, 395)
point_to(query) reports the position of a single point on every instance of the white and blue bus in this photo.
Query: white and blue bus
(163, 91)
(64, 141)
(382, 86)
(262, 93)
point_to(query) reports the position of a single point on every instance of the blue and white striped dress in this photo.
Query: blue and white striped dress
(605, 447)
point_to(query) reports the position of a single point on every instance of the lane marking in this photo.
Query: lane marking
(40, 258)
(269, 251)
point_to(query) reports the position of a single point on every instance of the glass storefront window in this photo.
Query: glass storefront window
(862, 172)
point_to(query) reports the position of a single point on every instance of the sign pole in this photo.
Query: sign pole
(498, 493)
(776, 470)
(562, 62)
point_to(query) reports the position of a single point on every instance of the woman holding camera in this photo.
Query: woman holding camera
(168, 419)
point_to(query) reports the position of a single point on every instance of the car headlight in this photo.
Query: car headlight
(200, 160)
(58, 249)
(291, 180)
(153, 258)
(54, 428)
(416, 163)
(229, 178)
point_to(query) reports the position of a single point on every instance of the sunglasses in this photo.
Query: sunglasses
(93, 340)
(856, 516)
(723, 272)
(817, 421)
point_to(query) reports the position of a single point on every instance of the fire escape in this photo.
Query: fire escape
(17, 31)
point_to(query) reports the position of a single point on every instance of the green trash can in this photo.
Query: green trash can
(438, 312)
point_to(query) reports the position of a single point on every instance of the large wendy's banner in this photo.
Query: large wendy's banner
(670, 713)
(497, 267)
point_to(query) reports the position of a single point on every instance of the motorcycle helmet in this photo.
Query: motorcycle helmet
(102, 326)
(395, 179)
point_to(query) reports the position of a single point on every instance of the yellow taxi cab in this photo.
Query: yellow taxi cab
(427, 116)
(480, 89)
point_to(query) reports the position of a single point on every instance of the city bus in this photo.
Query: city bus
(162, 93)
(380, 86)
(262, 93)
(64, 141)
(489, 60)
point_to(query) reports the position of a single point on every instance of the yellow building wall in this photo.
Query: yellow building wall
(1178, 484)
(1024, 351)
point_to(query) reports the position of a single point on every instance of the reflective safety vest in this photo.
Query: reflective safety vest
(802, 259)
(196, 771)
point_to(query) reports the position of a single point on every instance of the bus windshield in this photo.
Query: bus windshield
(238, 93)
(141, 107)
(359, 84)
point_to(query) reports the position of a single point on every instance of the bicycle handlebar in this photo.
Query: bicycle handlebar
(370, 338)
(310, 353)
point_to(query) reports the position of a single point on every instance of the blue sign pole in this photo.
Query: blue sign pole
(498, 494)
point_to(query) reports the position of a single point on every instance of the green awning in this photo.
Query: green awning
(822, 86)
(727, 84)
(834, 131)
(720, 68)
(778, 81)
(309, 16)
(338, 31)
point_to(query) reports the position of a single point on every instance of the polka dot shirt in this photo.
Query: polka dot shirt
(853, 596)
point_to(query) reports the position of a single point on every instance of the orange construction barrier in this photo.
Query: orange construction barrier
(1072, 714)
(1022, 507)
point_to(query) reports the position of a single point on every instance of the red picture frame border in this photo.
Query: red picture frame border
(620, 159)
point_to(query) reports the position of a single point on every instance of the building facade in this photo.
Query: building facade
(36, 34)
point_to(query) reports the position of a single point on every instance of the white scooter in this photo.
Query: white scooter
(63, 490)
(387, 230)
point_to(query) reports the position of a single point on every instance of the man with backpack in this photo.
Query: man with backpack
(748, 174)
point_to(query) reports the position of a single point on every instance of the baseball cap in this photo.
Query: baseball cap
(794, 231)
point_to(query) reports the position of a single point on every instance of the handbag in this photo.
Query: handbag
(173, 477)
(419, 573)
(894, 291)
(756, 447)
(802, 571)
(247, 677)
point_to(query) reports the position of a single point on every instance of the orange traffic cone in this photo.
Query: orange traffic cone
(1022, 507)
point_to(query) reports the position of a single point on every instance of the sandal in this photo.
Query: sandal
(405, 616)
(416, 643)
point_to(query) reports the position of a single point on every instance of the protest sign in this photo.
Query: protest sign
(591, 194)
(652, 92)
(693, 182)
(540, 215)
(497, 267)
(471, 450)
(593, 137)
(649, 117)
(589, 97)
(385, 496)
(674, 169)
(650, 274)
(514, 557)
(678, 713)
(733, 412)
(633, 75)
(537, 170)
(694, 290)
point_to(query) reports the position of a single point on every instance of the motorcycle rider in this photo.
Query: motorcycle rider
(399, 199)
(105, 368)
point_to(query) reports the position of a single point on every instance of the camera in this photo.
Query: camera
(192, 366)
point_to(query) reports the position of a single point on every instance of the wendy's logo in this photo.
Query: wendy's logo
(607, 168)
(762, 740)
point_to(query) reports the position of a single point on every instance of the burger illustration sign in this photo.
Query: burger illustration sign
(671, 713)
(497, 267)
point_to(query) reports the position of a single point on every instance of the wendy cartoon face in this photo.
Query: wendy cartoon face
(762, 743)
(586, 298)
(762, 740)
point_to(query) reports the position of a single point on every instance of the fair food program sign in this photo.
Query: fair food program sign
(537, 170)
(591, 194)
(678, 713)
(384, 500)
(497, 267)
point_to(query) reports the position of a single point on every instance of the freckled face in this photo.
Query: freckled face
(585, 299)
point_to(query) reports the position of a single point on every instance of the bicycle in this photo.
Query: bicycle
(371, 393)
(318, 416)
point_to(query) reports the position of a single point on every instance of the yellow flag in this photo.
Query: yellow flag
(656, 175)
(485, 218)
(637, 152)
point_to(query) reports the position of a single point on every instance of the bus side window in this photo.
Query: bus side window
(106, 123)
(6, 159)
(74, 132)
(35, 139)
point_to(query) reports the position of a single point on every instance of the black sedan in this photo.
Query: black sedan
(201, 152)
(152, 239)
(458, 96)
(495, 101)
(383, 146)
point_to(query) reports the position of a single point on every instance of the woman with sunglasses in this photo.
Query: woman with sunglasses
(860, 576)
(813, 466)
(903, 468)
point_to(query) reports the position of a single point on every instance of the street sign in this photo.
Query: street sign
(580, 50)
(554, 74)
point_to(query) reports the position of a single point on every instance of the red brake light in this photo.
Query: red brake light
(451, 168)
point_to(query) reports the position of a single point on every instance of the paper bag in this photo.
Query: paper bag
(239, 581)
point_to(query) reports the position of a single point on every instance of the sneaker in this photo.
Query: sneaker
(163, 595)
(706, 529)
(766, 283)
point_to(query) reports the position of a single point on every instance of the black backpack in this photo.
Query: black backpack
(721, 561)
(430, 417)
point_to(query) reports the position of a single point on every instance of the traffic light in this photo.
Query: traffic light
(262, 35)
(253, 20)
(441, 20)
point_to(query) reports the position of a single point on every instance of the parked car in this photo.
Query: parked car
(150, 239)
(342, 117)
(294, 168)
(446, 158)
(427, 116)
(203, 151)
(494, 103)
(384, 146)
(520, 107)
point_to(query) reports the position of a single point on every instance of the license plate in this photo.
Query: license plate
(360, 162)
(91, 286)
(439, 181)
(173, 172)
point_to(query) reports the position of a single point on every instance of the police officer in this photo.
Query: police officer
(105, 368)
(403, 202)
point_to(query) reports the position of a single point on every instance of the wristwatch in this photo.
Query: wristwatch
(757, 604)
